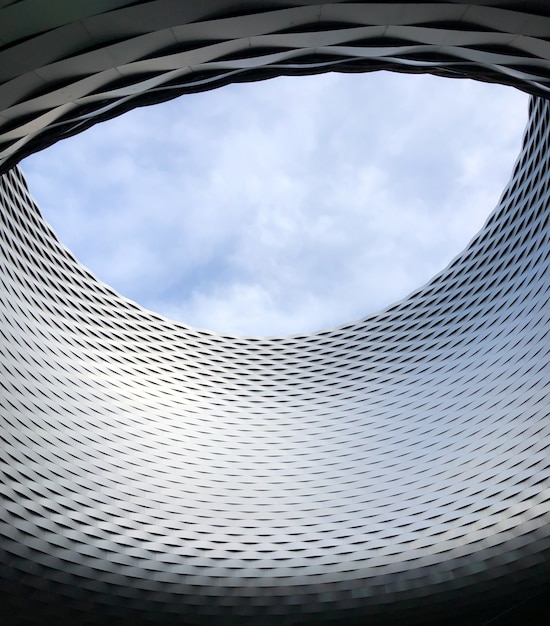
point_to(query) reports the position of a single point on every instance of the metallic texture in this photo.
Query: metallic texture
(393, 470)
(64, 68)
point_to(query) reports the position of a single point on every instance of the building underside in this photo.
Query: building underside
(394, 470)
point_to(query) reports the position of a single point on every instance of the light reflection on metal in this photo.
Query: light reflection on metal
(389, 468)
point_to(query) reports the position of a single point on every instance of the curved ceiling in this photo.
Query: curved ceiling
(63, 69)
(394, 470)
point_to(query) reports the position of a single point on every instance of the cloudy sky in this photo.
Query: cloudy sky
(284, 206)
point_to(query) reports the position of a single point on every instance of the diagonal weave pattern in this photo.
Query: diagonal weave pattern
(387, 469)
(65, 68)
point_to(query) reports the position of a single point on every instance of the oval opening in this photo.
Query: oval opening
(284, 206)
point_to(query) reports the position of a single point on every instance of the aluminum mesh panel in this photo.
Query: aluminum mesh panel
(68, 67)
(385, 470)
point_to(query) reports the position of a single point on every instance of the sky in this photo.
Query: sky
(284, 206)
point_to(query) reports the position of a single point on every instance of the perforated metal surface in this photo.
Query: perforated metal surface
(386, 470)
(68, 65)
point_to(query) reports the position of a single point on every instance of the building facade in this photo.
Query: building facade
(394, 470)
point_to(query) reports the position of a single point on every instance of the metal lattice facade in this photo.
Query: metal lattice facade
(390, 471)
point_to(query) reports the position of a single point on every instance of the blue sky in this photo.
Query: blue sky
(285, 206)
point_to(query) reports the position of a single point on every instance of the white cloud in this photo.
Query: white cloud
(283, 206)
